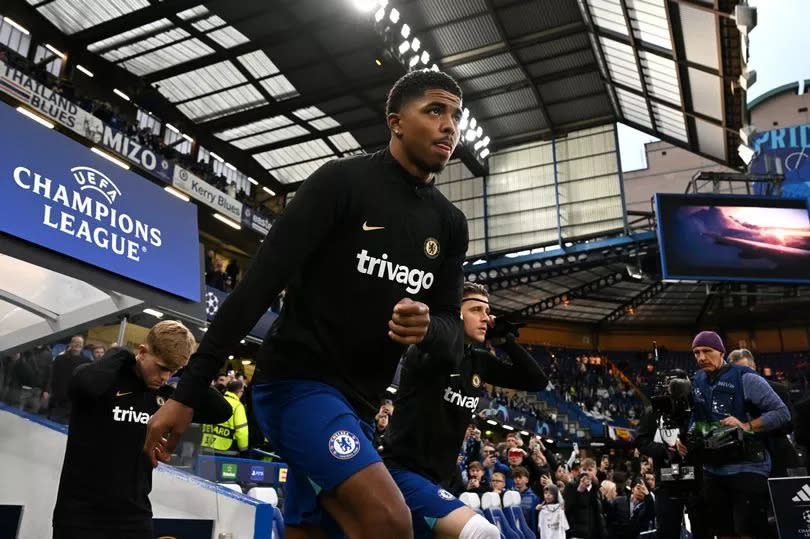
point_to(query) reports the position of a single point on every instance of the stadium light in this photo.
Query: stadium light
(251, 180)
(153, 312)
(171, 190)
(109, 157)
(35, 117)
(170, 127)
(380, 14)
(414, 60)
(215, 156)
(425, 57)
(415, 44)
(242, 341)
(434, 67)
(524, 432)
(230, 166)
(462, 124)
(364, 5)
(491, 422)
(508, 427)
(484, 153)
(392, 390)
(85, 70)
(230, 223)
(485, 141)
(479, 132)
(405, 31)
(188, 138)
(473, 123)
(230, 357)
(269, 191)
(121, 94)
(745, 153)
(394, 16)
(404, 46)
(17, 25)
(469, 136)
(54, 50)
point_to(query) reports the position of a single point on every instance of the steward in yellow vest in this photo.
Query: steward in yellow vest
(232, 435)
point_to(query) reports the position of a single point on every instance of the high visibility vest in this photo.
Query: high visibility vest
(232, 435)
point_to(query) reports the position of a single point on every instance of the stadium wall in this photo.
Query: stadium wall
(32, 451)
(789, 339)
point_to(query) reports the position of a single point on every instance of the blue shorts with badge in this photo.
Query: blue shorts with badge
(321, 438)
(427, 501)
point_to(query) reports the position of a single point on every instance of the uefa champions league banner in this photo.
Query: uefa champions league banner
(215, 297)
(785, 151)
(57, 194)
(47, 102)
(206, 193)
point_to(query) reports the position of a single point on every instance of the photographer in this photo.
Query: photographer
(657, 437)
(736, 465)
(783, 455)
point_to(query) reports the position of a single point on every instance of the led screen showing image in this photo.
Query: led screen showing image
(733, 238)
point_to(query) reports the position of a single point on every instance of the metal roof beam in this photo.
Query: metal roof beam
(132, 20)
(642, 79)
(635, 302)
(314, 135)
(564, 298)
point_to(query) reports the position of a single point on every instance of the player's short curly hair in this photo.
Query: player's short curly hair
(414, 85)
(475, 288)
(172, 342)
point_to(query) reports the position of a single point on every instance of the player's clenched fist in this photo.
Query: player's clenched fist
(409, 322)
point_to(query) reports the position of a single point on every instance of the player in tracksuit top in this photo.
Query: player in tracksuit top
(435, 400)
(106, 478)
(371, 255)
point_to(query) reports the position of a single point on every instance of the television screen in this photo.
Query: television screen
(733, 238)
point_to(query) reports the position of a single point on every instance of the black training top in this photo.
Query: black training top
(437, 400)
(360, 235)
(106, 476)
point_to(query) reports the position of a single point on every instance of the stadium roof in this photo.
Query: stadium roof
(287, 85)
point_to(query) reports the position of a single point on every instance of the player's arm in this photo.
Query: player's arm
(92, 380)
(313, 214)
(524, 373)
(213, 407)
(445, 336)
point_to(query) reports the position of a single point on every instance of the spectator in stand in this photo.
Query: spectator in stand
(218, 276)
(604, 468)
(210, 256)
(497, 483)
(475, 478)
(491, 464)
(98, 351)
(381, 422)
(582, 505)
(629, 517)
(528, 499)
(551, 521)
(232, 270)
(34, 395)
(63, 367)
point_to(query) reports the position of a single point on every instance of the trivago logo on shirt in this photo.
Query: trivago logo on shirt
(415, 278)
(455, 397)
(130, 416)
(85, 211)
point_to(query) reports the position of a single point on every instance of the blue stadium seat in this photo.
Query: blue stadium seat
(514, 513)
(278, 524)
(491, 506)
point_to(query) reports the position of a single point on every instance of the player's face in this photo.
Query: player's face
(707, 358)
(153, 370)
(475, 312)
(428, 129)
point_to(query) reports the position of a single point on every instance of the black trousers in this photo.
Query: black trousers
(63, 532)
(670, 503)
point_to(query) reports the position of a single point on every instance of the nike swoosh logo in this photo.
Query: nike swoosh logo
(367, 228)
(119, 394)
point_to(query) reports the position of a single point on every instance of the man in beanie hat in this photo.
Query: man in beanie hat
(736, 493)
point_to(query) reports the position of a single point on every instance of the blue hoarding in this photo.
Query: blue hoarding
(57, 194)
(785, 151)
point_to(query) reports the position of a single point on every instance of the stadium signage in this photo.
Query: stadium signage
(785, 151)
(137, 153)
(45, 101)
(255, 221)
(207, 194)
(71, 201)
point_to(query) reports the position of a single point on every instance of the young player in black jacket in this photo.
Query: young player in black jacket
(106, 478)
(370, 253)
(435, 400)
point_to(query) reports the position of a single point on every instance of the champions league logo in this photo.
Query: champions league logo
(86, 212)
(211, 303)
